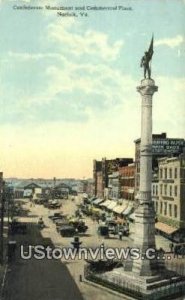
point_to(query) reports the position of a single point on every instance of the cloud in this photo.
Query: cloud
(79, 78)
(78, 42)
(171, 42)
(32, 56)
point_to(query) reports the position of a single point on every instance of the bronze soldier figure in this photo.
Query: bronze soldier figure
(145, 61)
(145, 64)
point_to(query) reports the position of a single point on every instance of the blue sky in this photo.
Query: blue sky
(68, 85)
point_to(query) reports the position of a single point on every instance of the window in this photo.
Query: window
(165, 189)
(153, 191)
(175, 190)
(161, 189)
(161, 173)
(165, 173)
(165, 208)
(156, 190)
(161, 207)
(175, 211)
(170, 190)
(170, 173)
(175, 175)
(170, 210)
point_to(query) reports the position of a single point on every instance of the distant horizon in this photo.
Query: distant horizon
(51, 179)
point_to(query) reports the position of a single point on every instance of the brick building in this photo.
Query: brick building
(101, 171)
(127, 181)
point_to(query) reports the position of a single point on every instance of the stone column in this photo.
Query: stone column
(145, 215)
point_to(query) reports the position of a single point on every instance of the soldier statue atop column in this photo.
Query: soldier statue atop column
(146, 61)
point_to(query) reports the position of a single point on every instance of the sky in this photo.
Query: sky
(68, 84)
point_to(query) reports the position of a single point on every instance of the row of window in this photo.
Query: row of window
(171, 173)
(166, 209)
(165, 190)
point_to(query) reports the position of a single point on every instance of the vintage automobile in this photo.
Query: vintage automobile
(112, 226)
(55, 215)
(53, 204)
(102, 265)
(78, 224)
(103, 230)
(67, 231)
(124, 230)
(61, 223)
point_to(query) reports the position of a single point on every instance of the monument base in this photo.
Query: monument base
(167, 285)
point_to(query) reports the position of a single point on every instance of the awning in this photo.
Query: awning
(97, 201)
(128, 210)
(165, 228)
(132, 217)
(112, 205)
(119, 208)
(106, 203)
(95, 210)
(91, 200)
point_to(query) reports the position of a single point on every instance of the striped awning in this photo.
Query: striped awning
(165, 228)
(97, 201)
(112, 205)
(132, 216)
(128, 210)
(106, 203)
(120, 208)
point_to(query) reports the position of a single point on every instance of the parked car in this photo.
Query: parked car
(79, 225)
(67, 231)
(61, 223)
(112, 227)
(55, 215)
(103, 230)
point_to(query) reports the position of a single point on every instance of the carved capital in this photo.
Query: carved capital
(147, 87)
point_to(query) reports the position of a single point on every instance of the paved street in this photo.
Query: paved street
(54, 279)
(38, 279)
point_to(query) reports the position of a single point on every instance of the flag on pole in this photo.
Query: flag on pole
(150, 49)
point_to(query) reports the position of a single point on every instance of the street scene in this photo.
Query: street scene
(61, 278)
(92, 150)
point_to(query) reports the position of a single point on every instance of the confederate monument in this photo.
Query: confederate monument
(145, 277)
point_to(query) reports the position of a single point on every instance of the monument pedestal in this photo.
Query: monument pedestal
(165, 285)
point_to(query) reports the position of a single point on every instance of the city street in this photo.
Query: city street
(54, 279)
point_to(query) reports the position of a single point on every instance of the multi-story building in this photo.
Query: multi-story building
(161, 147)
(127, 182)
(101, 171)
(168, 191)
(114, 186)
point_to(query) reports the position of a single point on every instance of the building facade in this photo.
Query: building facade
(161, 147)
(168, 191)
(114, 186)
(101, 171)
(127, 181)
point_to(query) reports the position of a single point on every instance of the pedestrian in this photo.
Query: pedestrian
(182, 251)
(120, 233)
(176, 252)
(171, 245)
